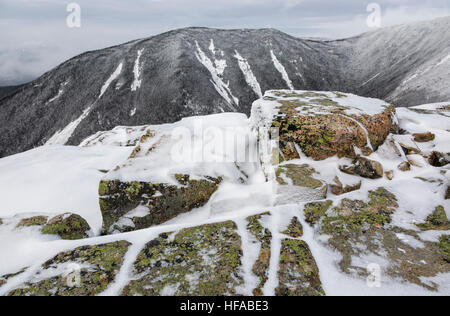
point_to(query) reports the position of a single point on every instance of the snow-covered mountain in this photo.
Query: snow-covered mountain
(198, 71)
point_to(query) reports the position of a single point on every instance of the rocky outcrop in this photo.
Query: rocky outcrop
(85, 271)
(444, 247)
(365, 168)
(296, 183)
(436, 221)
(338, 188)
(404, 166)
(424, 137)
(437, 159)
(137, 205)
(325, 124)
(145, 190)
(202, 260)
(357, 228)
(67, 226)
(33, 221)
(353, 216)
(298, 273)
(264, 238)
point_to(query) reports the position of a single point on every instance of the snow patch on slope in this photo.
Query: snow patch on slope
(60, 92)
(113, 77)
(248, 74)
(137, 71)
(216, 73)
(281, 70)
(62, 137)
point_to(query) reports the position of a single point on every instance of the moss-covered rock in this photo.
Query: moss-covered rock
(298, 273)
(162, 202)
(297, 182)
(321, 125)
(444, 247)
(295, 228)
(365, 168)
(33, 221)
(437, 159)
(67, 226)
(404, 166)
(436, 221)
(338, 188)
(316, 210)
(404, 262)
(262, 264)
(353, 216)
(424, 137)
(5, 278)
(98, 266)
(203, 260)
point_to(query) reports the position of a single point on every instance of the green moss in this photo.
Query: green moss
(103, 188)
(436, 221)
(354, 216)
(33, 221)
(134, 188)
(284, 94)
(104, 262)
(163, 201)
(301, 175)
(203, 260)
(67, 227)
(298, 273)
(444, 247)
(339, 95)
(295, 228)
(315, 211)
(324, 102)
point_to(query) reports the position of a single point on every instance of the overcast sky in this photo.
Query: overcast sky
(34, 35)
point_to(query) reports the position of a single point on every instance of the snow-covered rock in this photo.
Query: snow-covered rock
(257, 234)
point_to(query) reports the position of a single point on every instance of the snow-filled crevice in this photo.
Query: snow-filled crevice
(250, 252)
(113, 77)
(279, 66)
(137, 71)
(248, 74)
(217, 81)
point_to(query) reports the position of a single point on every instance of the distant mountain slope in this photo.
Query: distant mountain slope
(5, 91)
(198, 71)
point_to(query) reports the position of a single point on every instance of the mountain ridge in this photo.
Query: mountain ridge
(198, 71)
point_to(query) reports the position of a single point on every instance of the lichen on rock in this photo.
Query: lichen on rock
(96, 267)
(365, 168)
(316, 210)
(325, 124)
(444, 247)
(338, 188)
(262, 264)
(298, 273)
(202, 260)
(295, 228)
(33, 221)
(160, 201)
(298, 182)
(67, 226)
(353, 216)
(436, 221)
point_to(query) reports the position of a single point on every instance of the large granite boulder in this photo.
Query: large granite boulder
(324, 124)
